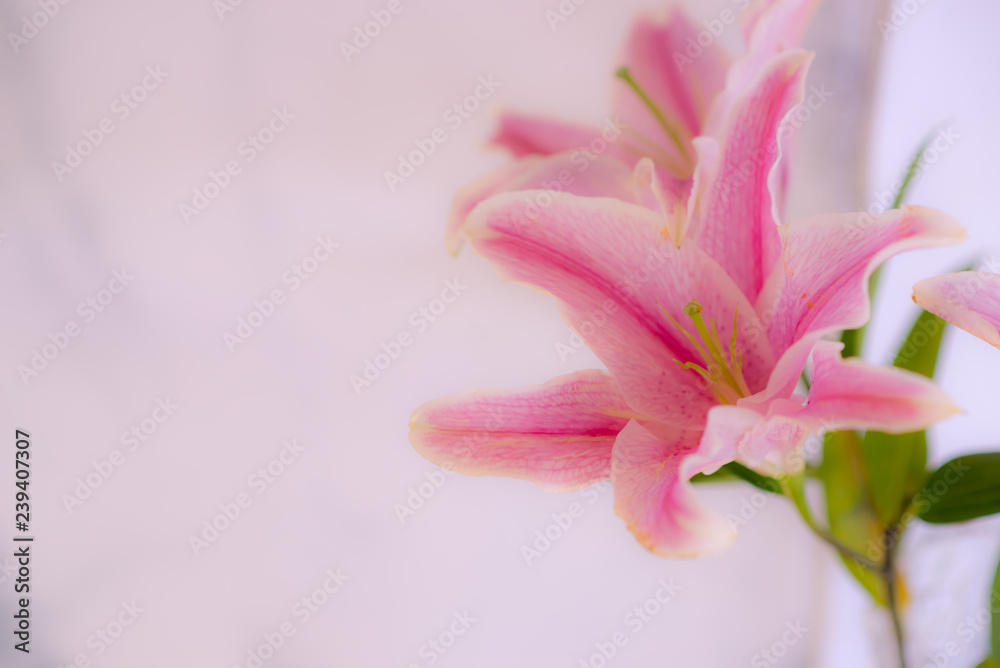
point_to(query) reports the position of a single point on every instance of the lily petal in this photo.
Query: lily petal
(769, 27)
(558, 435)
(768, 444)
(852, 394)
(653, 195)
(614, 274)
(601, 177)
(845, 394)
(736, 215)
(522, 135)
(820, 286)
(681, 87)
(650, 474)
(968, 299)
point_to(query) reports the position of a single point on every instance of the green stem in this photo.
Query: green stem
(892, 594)
(793, 488)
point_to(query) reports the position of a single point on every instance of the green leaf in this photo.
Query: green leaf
(963, 489)
(988, 662)
(754, 478)
(911, 170)
(736, 471)
(853, 338)
(849, 509)
(722, 475)
(919, 351)
(896, 462)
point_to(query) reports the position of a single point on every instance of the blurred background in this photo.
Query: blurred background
(200, 248)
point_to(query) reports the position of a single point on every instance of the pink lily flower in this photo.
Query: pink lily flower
(704, 342)
(702, 306)
(671, 90)
(969, 300)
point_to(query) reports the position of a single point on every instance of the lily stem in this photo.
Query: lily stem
(892, 594)
(793, 488)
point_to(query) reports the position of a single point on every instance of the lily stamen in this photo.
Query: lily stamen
(625, 75)
(723, 374)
